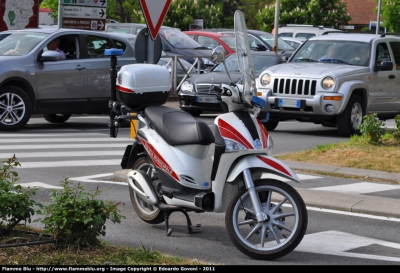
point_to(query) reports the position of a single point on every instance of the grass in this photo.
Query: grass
(99, 255)
(357, 152)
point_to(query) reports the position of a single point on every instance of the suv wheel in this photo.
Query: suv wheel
(351, 117)
(15, 108)
(270, 125)
(56, 118)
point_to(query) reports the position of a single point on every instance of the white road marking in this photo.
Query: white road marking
(67, 140)
(38, 185)
(62, 154)
(5, 135)
(300, 176)
(72, 163)
(90, 179)
(359, 188)
(338, 243)
(61, 146)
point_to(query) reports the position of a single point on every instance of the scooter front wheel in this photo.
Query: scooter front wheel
(148, 213)
(283, 229)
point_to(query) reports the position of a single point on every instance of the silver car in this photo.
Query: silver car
(37, 81)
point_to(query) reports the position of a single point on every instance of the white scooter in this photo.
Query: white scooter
(179, 164)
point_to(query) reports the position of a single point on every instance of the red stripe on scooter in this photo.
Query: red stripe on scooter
(124, 89)
(158, 159)
(228, 131)
(274, 165)
(264, 134)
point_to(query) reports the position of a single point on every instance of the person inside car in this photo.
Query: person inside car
(53, 45)
(361, 56)
(330, 54)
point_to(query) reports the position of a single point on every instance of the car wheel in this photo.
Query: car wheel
(15, 108)
(56, 118)
(270, 125)
(351, 117)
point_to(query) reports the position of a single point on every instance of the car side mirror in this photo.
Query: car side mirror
(218, 55)
(260, 47)
(384, 66)
(50, 55)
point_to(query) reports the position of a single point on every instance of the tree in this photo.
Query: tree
(311, 12)
(182, 12)
(250, 9)
(390, 11)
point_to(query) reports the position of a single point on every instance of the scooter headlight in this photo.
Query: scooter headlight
(232, 146)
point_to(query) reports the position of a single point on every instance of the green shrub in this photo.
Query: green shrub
(397, 122)
(16, 204)
(76, 218)
(372, 128)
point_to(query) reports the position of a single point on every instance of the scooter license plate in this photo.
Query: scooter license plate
(207, 99)
(289, 103)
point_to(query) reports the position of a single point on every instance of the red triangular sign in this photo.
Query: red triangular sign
(154, 12)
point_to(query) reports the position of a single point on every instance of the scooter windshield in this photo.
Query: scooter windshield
(244, 58)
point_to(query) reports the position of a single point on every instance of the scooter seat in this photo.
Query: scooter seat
(177, 127)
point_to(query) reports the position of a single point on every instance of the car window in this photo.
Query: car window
(121, 45)
(304, 35)
(207, 42)
(396, 53)
(18, 44)
(285, 34)
(123, 29)
(96, 45)
(230, 41)
(382, 53)
(178, 39)
(282, 45)
(69, 45)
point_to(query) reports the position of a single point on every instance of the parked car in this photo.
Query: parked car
(211, 40)
(259, 40)
(294, 42)
(182, 66)
(358, 76)
(38, 81)
(303, 32)
(195, 95)
(174, 42)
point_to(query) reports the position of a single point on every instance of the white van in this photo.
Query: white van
(303, 32)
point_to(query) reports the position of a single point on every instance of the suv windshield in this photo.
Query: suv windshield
(18, 44)
(179, 39)
(327, 51)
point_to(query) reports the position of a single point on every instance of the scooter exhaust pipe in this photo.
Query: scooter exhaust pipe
(144, 187)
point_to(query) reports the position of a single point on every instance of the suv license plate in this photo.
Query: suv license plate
(207, 99)
(289, 103)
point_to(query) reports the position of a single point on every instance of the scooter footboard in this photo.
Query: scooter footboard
(268, 163)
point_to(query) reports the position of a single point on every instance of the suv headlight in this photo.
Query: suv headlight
(187, 86)
(265, 79)
(328, 83)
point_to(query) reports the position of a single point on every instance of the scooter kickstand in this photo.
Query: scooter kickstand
(191, 229)
(166, 216)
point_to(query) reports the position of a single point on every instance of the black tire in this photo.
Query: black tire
(352, 117)
(295, 219)
(56, 118)
(328, 124)
(270, 125)
(148, 213)
(15, 108)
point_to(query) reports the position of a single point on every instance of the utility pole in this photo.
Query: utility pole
(378, 26)
(276, 26)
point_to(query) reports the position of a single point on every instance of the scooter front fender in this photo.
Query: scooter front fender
(263, 161)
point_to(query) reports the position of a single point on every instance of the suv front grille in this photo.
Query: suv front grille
(299, 87)
(204, 88)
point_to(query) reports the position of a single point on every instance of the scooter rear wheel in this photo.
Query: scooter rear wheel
(148, 213)
(280, 233)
